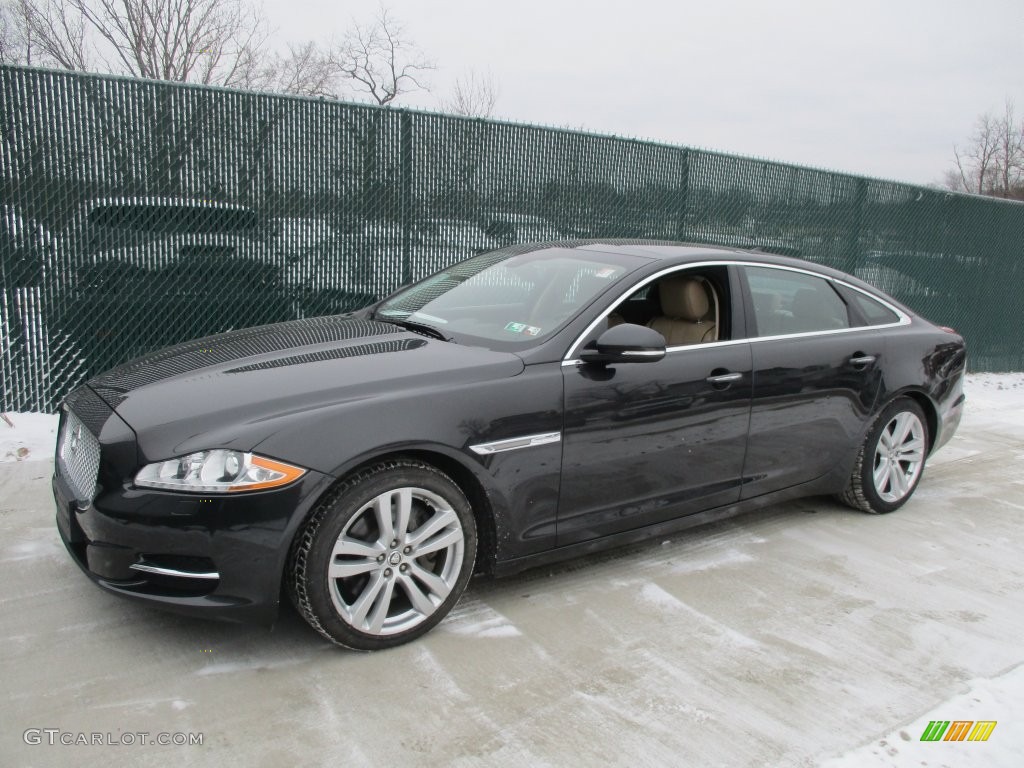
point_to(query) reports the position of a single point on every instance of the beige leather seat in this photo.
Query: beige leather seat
(685, 317)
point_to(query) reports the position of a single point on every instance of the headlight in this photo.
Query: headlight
(218, 471)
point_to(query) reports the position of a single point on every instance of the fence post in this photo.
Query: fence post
(684, 196)
(853, 246)
(405, 152)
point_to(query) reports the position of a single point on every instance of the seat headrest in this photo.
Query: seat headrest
(683, 298)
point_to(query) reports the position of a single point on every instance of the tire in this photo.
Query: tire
(891, 461)
(384, 556)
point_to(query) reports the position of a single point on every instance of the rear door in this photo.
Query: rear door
(815, 378)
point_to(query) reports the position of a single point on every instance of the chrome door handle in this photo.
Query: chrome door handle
(724, 378)
(862, 360)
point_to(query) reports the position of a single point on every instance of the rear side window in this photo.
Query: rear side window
(788, 302)
(874, 312)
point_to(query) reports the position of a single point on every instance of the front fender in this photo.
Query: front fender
(520, 486)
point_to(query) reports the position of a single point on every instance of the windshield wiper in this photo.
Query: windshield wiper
(411, 325)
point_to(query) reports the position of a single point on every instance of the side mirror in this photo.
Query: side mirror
(626, 343)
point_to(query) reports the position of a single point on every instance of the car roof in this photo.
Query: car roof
(683, 253)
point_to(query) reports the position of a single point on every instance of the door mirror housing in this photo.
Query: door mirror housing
(626, 343)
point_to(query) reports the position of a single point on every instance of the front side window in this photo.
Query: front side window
(787, 302)
(688, 306)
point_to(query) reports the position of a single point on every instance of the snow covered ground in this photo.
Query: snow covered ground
(1000, 699)
(996, 401)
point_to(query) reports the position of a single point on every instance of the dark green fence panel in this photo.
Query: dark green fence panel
(135, 214)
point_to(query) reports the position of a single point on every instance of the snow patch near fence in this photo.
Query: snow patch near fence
(995, 400)
(27, 436)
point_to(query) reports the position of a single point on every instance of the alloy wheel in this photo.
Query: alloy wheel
(899, 457)
(396, 561)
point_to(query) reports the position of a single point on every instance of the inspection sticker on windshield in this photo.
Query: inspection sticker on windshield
(606, 272)
(529, 330)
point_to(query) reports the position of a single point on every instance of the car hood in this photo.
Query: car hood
(236, 389)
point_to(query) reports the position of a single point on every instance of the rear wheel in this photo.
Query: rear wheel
(384, 557)
(891, 460)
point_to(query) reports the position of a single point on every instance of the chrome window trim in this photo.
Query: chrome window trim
(515, 443)
(904, 319)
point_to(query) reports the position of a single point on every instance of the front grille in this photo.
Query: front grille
(78, 457)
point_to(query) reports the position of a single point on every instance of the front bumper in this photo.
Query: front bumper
(217, 556)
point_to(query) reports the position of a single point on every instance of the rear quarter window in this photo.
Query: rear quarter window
(874, 312)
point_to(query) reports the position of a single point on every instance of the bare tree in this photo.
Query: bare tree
(992, 162)
(11, 42)
(473, 95)
(1009, 153)
(306, 70)
(205, 41)
(379, 61)
(214, 42)
(456, 162)
(54, 34)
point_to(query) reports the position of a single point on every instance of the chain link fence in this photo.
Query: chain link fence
(136, 214)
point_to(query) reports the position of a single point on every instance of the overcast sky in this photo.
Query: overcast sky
(880, 87)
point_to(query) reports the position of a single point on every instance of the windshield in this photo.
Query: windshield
(508, 297)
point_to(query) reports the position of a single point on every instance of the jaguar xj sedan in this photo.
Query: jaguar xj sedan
(526, 405)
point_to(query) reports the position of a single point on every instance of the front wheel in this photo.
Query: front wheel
(891, 460)
(384, 556)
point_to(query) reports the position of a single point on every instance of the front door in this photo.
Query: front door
(647, 442)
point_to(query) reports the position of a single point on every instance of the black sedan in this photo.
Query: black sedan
(523, 406)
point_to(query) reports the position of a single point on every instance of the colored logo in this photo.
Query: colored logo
(958, 730)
